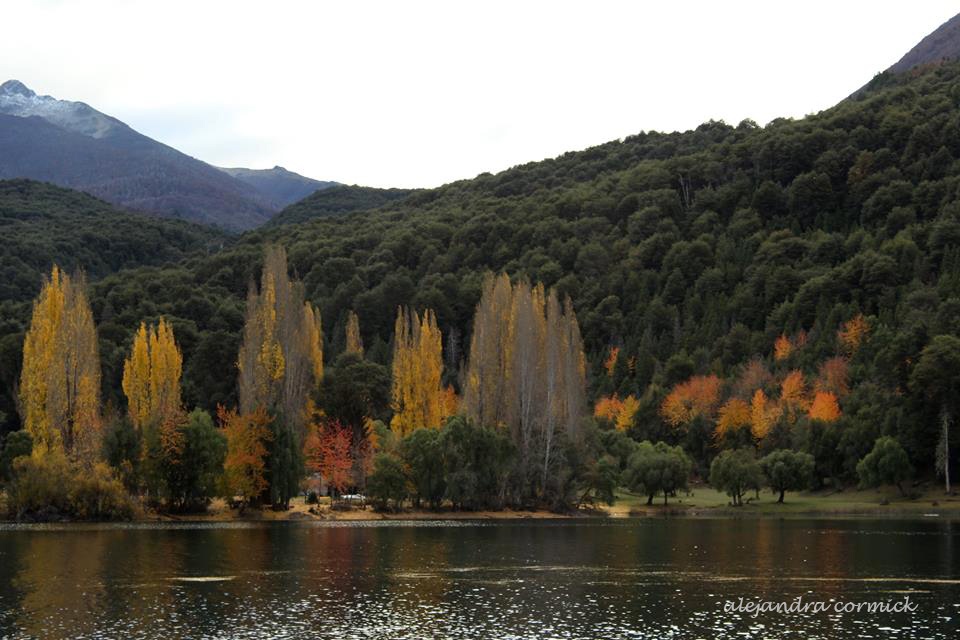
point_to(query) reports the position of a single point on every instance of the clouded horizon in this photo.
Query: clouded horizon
(397, 95)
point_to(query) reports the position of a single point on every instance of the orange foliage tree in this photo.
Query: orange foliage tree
(733, 415)
(245, 465)
(328, 451)
(853, 333)
(782, 348)
(611, 361)
(824, 407)
(763, 415)
(697, 397)
(793, 394)
(834, 377)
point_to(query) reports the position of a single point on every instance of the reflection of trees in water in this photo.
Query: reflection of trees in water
(56, 573)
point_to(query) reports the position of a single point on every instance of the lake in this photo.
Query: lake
(640, 578)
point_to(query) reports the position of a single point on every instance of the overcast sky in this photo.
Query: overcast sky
(418, 94)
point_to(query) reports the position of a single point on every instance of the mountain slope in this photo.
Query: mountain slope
(75, 146)
(338, 200)
(42, 224)
(941, 45)
(278, 186)
(689, 252)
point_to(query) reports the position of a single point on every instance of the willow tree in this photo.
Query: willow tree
(280, 364)
(353, 340)
(59, 390)
(526, 373)
(418, 397)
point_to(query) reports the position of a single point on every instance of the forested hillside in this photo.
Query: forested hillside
(337, 200)
(685, 254)
(42, 224)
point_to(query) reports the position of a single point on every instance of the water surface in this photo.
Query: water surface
(649, 578)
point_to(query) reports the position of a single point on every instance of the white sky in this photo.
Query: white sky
(419, 94)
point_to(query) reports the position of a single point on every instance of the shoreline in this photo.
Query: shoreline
(627, 508)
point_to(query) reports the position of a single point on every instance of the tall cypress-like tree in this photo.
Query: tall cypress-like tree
(280, 363)
(353, 340)
(418, 397)
(526, 374)
(151, 376)
(60, 381)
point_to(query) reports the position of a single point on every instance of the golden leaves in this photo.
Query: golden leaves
(733, 415)
(617, 411)
(824, 407)
(763, 415)
(853, 333)
(245, 464)
(697, 397)
(151, 376)
(418, 397)
(354, 341)
(60, 380)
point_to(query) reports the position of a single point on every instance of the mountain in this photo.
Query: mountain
(941, 45)
(73, 145)
(338, 200)
(278, 186)
(43, 224)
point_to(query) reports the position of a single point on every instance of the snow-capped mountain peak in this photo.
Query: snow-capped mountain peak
(16, 99)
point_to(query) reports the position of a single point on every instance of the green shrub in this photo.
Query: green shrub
(53, 488)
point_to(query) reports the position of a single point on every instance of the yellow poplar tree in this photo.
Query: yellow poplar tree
(151, 376)
(354, 341)
(60, 382)
(419, 399)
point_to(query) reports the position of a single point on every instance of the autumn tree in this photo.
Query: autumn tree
(733, 415)
(353, 340)
(526, 374)
(763, 415)
(853, 333)
(419, 399)
(695, 398)
(280, 359)
(328, 452)
(834, 376)
(151, 376)
(59, 391)
(619, 413)
(824, 407)
(246, 461)
(782, 347)
(793, 395)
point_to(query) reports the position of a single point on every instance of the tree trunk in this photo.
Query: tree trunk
(649, 499)
(780, 499)
(900, 487)
(946, 448)
(664, 498)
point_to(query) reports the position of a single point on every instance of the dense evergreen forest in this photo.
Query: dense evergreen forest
(793, 286)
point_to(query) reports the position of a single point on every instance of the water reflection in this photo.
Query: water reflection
(644, 578)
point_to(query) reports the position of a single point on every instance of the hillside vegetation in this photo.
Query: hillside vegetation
(685, 254)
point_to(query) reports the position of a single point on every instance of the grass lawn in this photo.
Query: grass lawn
(704, 500)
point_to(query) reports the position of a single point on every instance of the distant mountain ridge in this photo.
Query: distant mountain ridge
(338, 200)
(941, 45)
(279, 186)
(73, 145)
